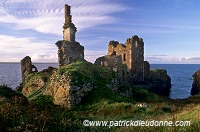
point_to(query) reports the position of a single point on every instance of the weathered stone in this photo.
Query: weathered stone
(159, 82)
(68, 49)
(69, 28)
(146, 69)
(69, 52)
(27, 67)
(196, 83)
(131, 54)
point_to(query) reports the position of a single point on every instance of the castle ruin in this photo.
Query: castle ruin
(68, 49)
(126, 60)
(130, 54)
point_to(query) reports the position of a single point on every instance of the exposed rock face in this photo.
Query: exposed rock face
(64, 92)
(69, 84)
(159, 82)
(196, 83)
(27, 67)
(68, 49)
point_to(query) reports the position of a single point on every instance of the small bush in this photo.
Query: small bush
(8, 92)
(44, 100)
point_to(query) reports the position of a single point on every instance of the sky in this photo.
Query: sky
(170, 28)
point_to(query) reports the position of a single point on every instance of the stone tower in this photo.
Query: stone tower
(68, 49)
(69, 29)
(130, 54)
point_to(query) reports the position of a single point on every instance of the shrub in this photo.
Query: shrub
(44, 100)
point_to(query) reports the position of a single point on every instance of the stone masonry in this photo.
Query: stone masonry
(68, 49)
(131, 54)
(126, 60)
(27, 67)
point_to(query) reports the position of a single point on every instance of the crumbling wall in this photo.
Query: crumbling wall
(64, 92)
(68, 49)
(69, 29)
(69, 52)
(132, 55)
(108, 61)
(27, 68)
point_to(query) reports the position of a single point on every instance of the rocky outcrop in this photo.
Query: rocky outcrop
(63, 90)
(159, 82)
(69, 84)
(196, 83)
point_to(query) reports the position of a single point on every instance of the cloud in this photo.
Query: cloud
(44, 57)
(48, 16)
(93, 55)
(13, 49)
(172, 60)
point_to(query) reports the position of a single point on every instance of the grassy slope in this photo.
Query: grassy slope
(16, 114)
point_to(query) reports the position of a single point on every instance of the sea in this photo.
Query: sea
(181, 76)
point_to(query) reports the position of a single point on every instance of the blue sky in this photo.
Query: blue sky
(170, 28)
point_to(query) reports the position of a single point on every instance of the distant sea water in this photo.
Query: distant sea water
(181, 75)
(181, 78)
(10, 73)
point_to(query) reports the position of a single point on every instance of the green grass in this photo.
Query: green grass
(82, 72)
(102, 104)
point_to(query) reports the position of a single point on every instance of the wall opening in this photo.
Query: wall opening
(124, 58)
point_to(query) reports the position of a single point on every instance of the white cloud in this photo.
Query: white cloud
(172, 60)
(48, 16)
(93, 55)
(13, 49)
(44, 57)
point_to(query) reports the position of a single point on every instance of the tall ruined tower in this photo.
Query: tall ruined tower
(68, 49)
(69, 29)
(130, 54)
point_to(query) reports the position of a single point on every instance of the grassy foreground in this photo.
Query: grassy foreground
(17, 114)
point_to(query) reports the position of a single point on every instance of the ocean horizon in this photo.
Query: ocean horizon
(181, 75)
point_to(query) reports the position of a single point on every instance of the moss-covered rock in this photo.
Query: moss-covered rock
(68, 84)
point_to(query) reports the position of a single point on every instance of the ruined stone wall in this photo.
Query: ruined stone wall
(64, 92)
(69, 29)
(68, 49)
(69, 52)
(109, 61)
(27, 67)
(137, 57)
(132, 55)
